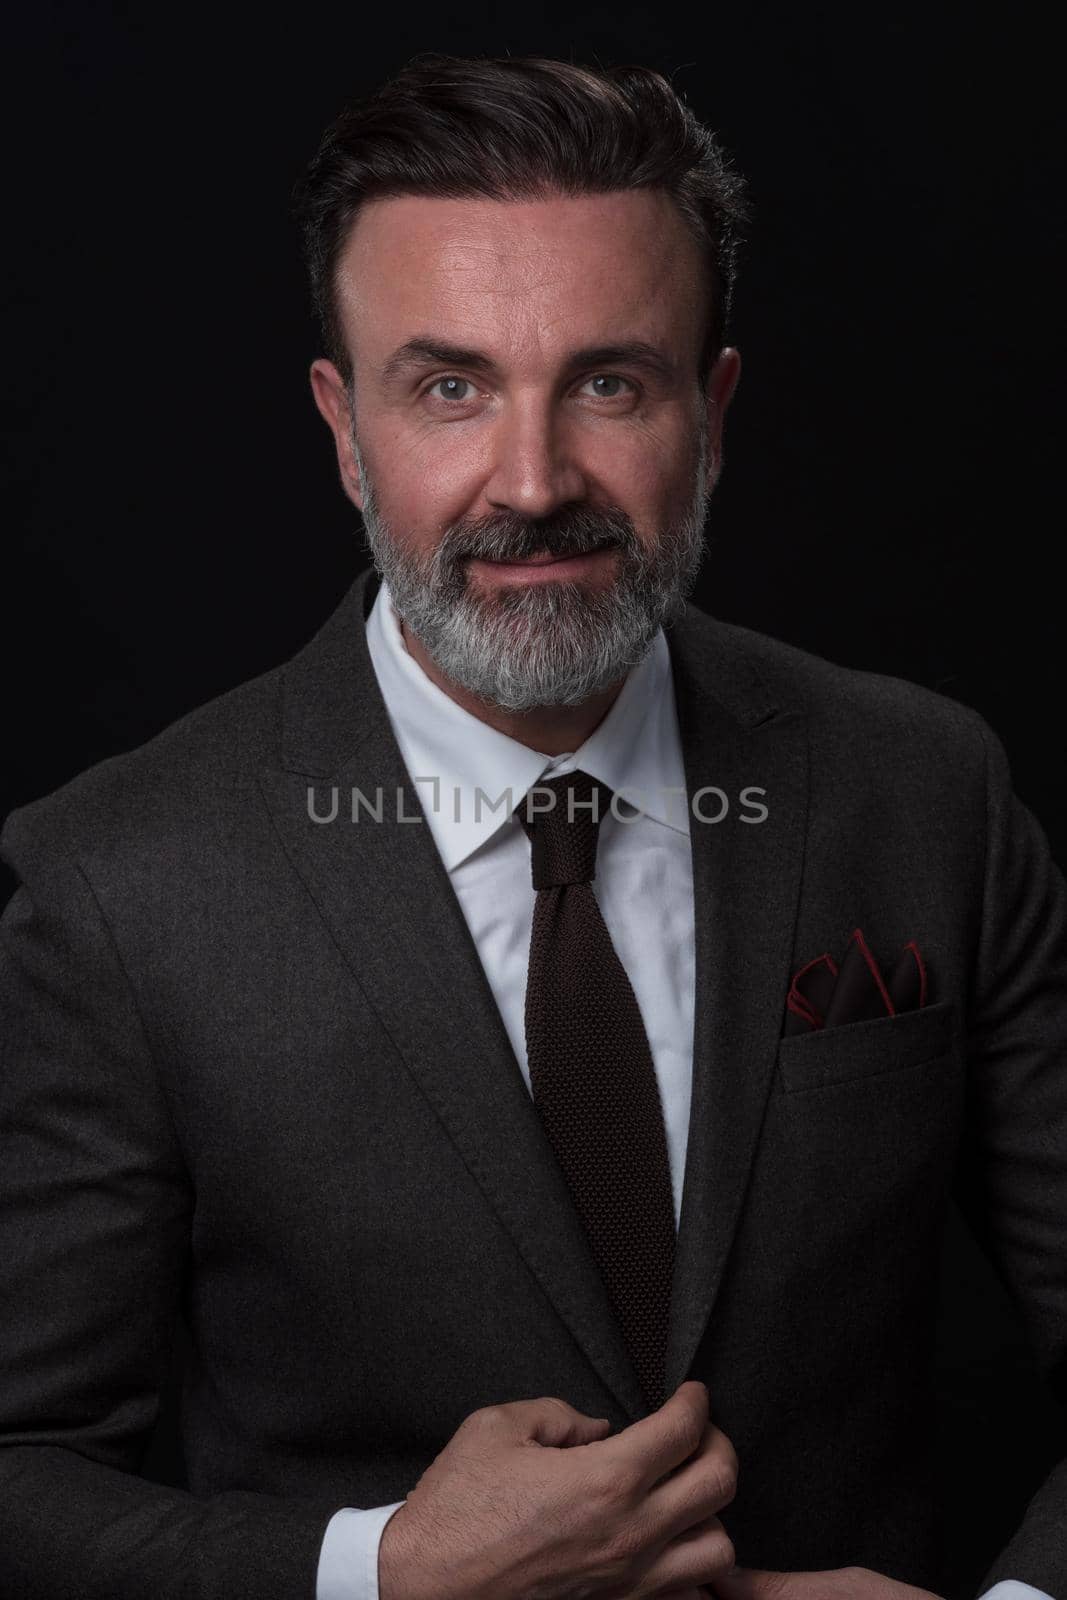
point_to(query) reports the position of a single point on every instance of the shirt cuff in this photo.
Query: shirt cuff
(348, 1559)
(1009, 1589)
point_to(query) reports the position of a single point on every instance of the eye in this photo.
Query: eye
(612, 377)
(457, 390)
(451, 384)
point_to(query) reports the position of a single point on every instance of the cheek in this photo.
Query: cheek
(650, 481)
(423, 487)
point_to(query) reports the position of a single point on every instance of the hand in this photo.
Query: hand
(531, 1500)
(841, 1583)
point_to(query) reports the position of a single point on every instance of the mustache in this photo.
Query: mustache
(573, 532)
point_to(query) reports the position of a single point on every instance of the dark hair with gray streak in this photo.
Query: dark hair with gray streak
(519, 128)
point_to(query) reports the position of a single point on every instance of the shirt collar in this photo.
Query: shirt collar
(451, 754)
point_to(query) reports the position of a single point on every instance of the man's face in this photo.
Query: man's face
(525, 387)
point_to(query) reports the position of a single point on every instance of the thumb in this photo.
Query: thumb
(560, 1425)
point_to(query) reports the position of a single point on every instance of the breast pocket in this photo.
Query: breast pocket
(828, 1057)
(850, 1191)
(865, 1116)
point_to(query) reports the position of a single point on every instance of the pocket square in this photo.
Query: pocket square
(824, 993)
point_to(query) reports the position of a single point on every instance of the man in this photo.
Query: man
(433, 1020)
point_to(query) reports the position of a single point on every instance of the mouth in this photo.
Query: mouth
(544, 562)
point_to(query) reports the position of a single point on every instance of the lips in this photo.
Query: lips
(544, 558)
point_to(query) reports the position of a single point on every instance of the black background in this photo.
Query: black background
(891, 491)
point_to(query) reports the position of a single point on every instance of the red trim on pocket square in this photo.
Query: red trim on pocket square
(824, 994)
(919, 962)
(808, 994)
(865, 951)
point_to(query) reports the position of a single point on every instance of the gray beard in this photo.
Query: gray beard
(539, 644)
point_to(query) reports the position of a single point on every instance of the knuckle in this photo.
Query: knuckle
(720, 1555)
(696, 1500)
(722, 1483)
(490, 1416)
(706, 1552)
(727, 1555)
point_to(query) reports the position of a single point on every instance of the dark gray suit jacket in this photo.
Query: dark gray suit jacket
(253, 1068)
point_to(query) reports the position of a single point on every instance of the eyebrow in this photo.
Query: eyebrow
(423, 352)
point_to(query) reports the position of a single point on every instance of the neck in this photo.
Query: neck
(551, 730)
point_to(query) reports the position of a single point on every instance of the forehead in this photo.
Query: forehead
(519, 275)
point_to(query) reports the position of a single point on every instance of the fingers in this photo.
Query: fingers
(703, 1555)
(698, 1489)
(658, 1443)
(547, 1421)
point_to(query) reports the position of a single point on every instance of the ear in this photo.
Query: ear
(331, 398)
(719, 391)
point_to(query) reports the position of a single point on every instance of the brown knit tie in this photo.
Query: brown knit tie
(591, 1072)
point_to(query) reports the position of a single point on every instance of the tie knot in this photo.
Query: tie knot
(562, 818)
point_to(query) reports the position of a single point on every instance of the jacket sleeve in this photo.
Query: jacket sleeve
(95, 1212)
(1012, 1176)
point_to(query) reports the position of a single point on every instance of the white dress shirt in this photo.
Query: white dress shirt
(643, 885)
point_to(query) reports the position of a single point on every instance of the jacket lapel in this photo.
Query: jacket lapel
(746, 884)
(388, 902)
(386, 898)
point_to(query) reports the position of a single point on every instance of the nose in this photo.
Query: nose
(534, 466)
